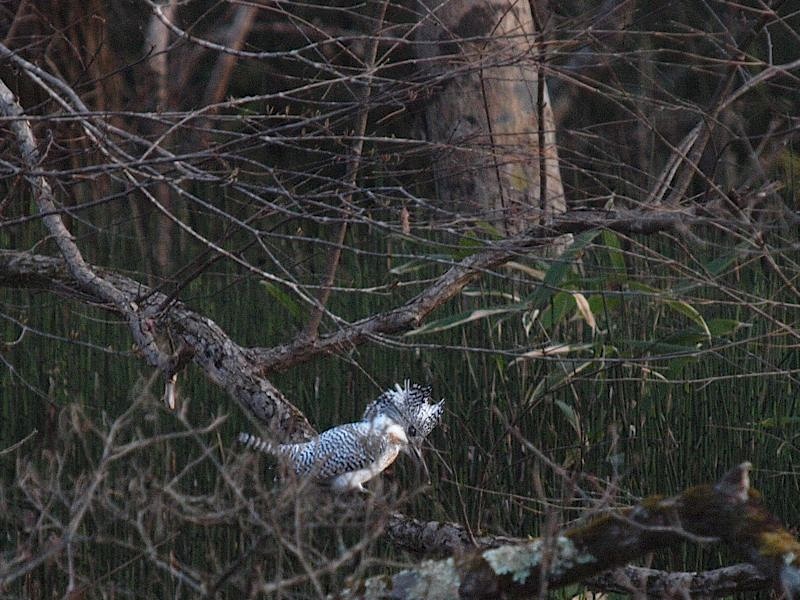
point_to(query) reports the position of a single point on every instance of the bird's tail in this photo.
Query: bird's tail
(256, 443)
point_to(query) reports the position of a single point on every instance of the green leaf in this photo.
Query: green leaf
(560, 306)
(723, 327)
(614, 249)
(283, 299)
(713, 268)
(570, 414)
(688, 338)
(602, 303)
(560, 268)
(691, 312)
(679, 306)
(718, 265)
(643, 287)
(467, 246)
(461, 319)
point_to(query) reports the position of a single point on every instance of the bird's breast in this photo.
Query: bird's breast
(387, 457)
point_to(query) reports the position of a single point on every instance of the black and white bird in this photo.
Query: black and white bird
(347, 456)
(411, 406)
(344, 457)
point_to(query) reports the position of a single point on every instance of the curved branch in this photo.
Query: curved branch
(242, 371)
(82, 273)
(223, 361)
(414, 311)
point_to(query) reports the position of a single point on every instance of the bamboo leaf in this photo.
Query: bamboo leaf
(570, 414)
(601, 303)
(552, 350)
(467, 246)
(718, 265)
(559, 270)
(479, 293)
(557, 380)
(691, 312)
(585, 310)
(614, 249)
(723, 327)
(461, 319)
(560, 306)
(530, 271)
(284, 299)
(643, 287)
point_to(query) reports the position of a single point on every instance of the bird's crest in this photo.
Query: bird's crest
(411, 406)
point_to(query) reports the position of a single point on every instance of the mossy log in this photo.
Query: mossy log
(729, 512)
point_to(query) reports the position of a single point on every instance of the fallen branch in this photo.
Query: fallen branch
(728, 511)
(663, 584)
(437, 538)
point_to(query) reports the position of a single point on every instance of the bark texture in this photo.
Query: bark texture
(728, 511)
(488, 111)
(224, 362)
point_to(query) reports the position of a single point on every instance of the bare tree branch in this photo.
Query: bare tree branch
(222, 360)
(653, 583)
(18, 267)
(83, 274)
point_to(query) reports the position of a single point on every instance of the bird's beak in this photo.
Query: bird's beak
(416, 453)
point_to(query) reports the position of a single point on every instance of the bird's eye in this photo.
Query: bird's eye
(412, 431)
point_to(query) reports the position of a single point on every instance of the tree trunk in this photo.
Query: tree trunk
(489, 113)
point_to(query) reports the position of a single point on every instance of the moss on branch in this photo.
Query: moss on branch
(728, 511)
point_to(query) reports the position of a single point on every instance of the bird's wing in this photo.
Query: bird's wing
(343, 449)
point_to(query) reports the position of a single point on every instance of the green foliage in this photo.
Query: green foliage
(283, 299)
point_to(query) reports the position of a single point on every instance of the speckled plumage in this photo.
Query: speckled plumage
(411, 406)
(343, 457)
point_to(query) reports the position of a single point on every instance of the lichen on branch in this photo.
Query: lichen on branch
(728, 511)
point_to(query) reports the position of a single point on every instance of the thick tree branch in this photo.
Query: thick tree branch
(223, 361)
(241, 371)
(261, 361)
(728, 511)
(437, 538)
(663, 584)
